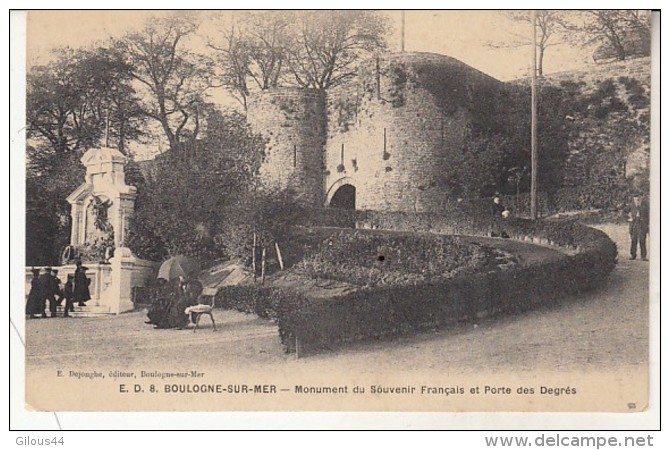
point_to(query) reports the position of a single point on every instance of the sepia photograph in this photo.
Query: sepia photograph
(339, 211)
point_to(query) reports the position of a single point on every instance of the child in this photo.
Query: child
(68, 293)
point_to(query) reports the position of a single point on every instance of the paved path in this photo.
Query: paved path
(599, 330)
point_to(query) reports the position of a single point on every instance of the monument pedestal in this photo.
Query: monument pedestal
(101, 208)
(128, 271)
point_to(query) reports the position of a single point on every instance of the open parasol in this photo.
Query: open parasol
(179, 265)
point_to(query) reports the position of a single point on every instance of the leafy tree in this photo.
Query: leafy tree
(264, 218)
(50, 178)
(172, 77)
(496, 153)
(554, 105)
(191, 192)
(474, 170)
(68, 103)
(69, 100)
(328, 44)
(310, 49)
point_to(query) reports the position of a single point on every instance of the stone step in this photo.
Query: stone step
(85, 311)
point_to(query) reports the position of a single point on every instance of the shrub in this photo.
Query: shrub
(614, 105)
(632, 85)
(263, 301)
(612, 197)
(639, 100)
(251, 299)
(144, 295)
(366, 258)
(330, 217)
(519, 205)
(144, 243)
(382, 310)
(176, 206)
(379, 311)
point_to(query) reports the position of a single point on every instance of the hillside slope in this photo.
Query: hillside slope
(608, 124)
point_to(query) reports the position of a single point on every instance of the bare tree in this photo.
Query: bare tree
(328, 44)
(254, 49)
(548, 27)
(174, 78)
(621, 33)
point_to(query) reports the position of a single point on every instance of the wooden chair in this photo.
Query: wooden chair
(202, 309)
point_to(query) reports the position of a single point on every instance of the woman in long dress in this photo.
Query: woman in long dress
(81, 293)
(168, 310)
(181, 299)
(160, 304)
(33, 303)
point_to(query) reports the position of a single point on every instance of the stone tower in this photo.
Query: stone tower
(293, 122)
(379, 141)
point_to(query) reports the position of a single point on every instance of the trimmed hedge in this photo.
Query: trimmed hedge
(367, 258)
(252, 299)
(474, 220)
(612, 197)
(390, 310)
(380, 311)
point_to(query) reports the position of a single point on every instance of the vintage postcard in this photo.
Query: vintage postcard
(380, 211)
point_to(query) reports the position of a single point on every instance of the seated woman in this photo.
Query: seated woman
(192, 292)
(158, 314)
(168, 310)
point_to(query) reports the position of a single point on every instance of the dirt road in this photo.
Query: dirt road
(601, 329)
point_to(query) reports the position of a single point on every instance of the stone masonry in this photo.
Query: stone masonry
(384, 133)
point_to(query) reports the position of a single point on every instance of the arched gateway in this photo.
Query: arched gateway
(342, 194)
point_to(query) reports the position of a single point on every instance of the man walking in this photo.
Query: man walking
(498, 213)
(53, 290)
(638, 226)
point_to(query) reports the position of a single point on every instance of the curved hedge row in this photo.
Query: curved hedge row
(353, 256)
(383, 311)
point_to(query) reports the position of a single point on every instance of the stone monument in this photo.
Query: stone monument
(101, 209)
(103, 204)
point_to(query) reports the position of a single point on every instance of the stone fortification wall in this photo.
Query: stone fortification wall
(388, 132)
(293, 122)
(639, 68)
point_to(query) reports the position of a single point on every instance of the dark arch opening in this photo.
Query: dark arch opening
(344, 197)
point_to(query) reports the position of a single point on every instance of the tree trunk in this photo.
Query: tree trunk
(253, 258)
(279, 257)
(263, 266)
(172, 140)
(122, 136)
(621, 53)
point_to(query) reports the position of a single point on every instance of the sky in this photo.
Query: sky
(463, 35)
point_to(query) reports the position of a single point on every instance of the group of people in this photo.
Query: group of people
(637, 217)
(46, 287)
(168, 309)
